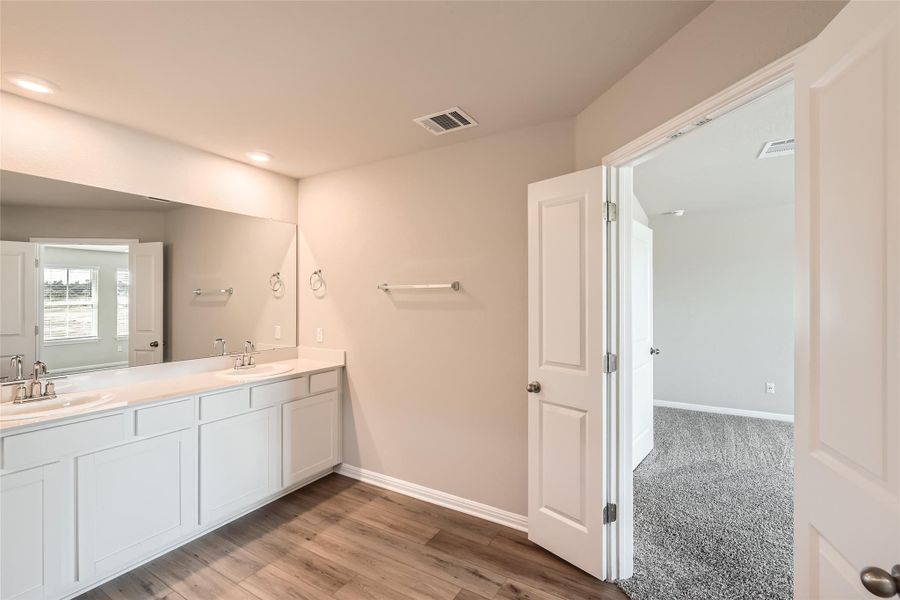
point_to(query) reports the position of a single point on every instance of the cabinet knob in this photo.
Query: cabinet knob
(534, 387)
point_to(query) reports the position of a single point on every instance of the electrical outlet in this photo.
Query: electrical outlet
(278, 332)
(770, 388)
(320, 335)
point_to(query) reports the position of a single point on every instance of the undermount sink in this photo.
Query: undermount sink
(257, 372)
(62, 405)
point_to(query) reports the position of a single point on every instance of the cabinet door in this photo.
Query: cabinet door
(239, 462)
(133, 500)
(312, 436)
(32, 506)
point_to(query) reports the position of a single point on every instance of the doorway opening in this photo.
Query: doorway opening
(712, 260)
(706, 336)
(83, 304)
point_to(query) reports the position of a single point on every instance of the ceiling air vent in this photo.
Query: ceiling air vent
(777, 148)
(452, 119)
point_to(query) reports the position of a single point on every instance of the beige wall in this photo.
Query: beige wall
(21, 223)
(436, 379)
(723, 44)
(39, 139)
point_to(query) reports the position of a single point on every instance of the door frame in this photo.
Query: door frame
(619, 169)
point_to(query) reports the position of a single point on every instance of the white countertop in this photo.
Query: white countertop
(162, 388)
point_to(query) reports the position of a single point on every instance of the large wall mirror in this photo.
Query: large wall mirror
(97, 279)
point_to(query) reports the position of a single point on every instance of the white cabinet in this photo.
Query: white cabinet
(240, 462)
(133, 500)
(32, 509)
(311, 432)
(85, 499)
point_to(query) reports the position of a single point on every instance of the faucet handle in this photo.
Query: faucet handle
(39, 369)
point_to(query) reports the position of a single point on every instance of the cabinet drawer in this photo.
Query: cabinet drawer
(322, 382)
(278, 392)
(46, 445)
(168, 417)
(223, 404)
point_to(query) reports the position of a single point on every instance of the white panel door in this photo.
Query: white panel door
(240, 462)
(311, 436)
(145, 309)
(133, 500)
(848, 303)
(642, 341)
(32, 505)
(18, 308)
(566, 343)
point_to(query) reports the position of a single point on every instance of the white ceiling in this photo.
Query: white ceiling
(715, 166)
(19, 189)
(325, 85)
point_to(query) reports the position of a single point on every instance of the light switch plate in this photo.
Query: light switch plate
(320, 335)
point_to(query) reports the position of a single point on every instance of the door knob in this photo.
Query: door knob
(881, 583)
(654, 351)
(154, 344)
(534, 387)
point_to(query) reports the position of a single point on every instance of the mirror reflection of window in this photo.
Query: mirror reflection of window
(122, 303)
(70, 303)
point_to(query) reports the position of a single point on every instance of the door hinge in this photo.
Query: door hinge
(610, 363)
(37, 263)
(610, 211)
(36, 331)
(609, 513)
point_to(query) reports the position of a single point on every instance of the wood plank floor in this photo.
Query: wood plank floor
(341, 539)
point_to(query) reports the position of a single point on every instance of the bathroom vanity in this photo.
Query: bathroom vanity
(87, 496)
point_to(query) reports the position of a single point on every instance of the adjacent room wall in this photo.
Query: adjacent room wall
(436, 379)
(723, 44)
(723, 308)
(39, 139)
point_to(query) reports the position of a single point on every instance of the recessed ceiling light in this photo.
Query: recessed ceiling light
(259, 156)
(32, 84)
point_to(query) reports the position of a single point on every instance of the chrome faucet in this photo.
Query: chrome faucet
(35, 390)
(246, 360)
(216, 342)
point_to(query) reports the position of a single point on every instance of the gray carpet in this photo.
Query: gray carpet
(713, 509)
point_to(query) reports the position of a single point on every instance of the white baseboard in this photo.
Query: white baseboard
(753, 414)
(470, 507)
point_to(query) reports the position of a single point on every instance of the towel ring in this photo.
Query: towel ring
(275, 282)
(316, 281)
